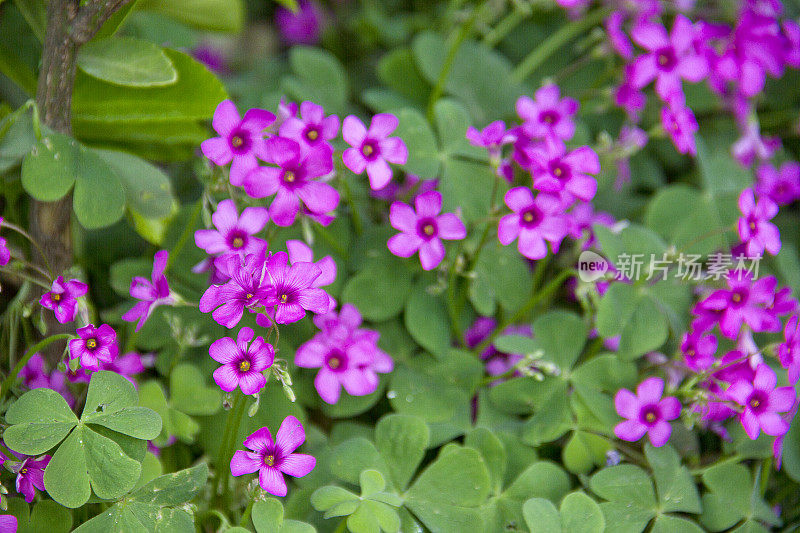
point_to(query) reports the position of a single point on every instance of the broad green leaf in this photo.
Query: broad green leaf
(396, 69)
(190, 393)
(16, 137)
(112, 473)
(581, 514)
(629, 311)
(502, 275)
(687, 219)
(41, 419)
(51, 167)
(561, 335)
(319, 77)
(138, 422)
(401, 440)
(35, 15)
(352, 457)
(212, 15)
(423, 155)
(493, 452)
(380, 289)
(626, 517)
(127, 61)
(108, 392)
(457, 478)
(267, 515)
(99, 198)
(732, 496)
(46, 515)
(552, 419)
(194, 97)
(542, 479)
(426, 319)
(625, 484)
(674, 524)
(66, 477)
(463, 185)
(541, 516)
(452, 121)
(371, 482)
(417, 394)
(173, 489)
(675, 486)
(147, 188)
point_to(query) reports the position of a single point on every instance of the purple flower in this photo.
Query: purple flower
(411, 184)
(744, 302)
(300, 252)
(670, 58)
(781, 186)
(492, 137)
(313, 128)
(619, 40)
(646, 412)
(699, 351)
(241, 141)
(629, 98)
(35, 376)
(303, 26)
(751, 145)
(294, 179)
(581, 219)
(94, 345)
(547, 115)
(424, 229)
(347, 356)
(293, 289)
(8, 523)
(564, 174)
(372, 150)
(30, 476)
(755, 230)
(5, 253)
(242, 365)
(679, 122)
(247, 286)
(497, 362)
(533, 221)
(212, 56)
(152, 292)
(762, 402)
(63, 298)
(273, 458)
(234, 234)
(789, 350)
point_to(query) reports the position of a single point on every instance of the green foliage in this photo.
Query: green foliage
(155, 506)
(319, 77)
(127, 61)
(89, 459)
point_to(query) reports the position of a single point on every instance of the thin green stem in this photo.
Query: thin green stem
(503, 28)
(229, 443)
(25, 276)
(247, 511)
(35, 244)
(735, 458)
(550, 46)
(449, 60)
(44, 343)
(187, 232)
(354, 213)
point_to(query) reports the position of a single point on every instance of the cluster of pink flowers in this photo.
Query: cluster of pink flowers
(737, 383)
(563, 178)
(299, 155)
(346, 355)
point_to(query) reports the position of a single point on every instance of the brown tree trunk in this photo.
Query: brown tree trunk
(50, 221)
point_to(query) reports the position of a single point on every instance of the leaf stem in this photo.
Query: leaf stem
(12, 376)
(188, 230)
(229, 443)
(550, 46)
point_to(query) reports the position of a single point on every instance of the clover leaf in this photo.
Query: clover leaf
(153, 506)
(94, 453)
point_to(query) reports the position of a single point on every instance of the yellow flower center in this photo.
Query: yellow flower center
(244, 366)
(91, 344)
(528, 217)
(284, 298)
(269, 460)
(755, 403)
(288, 176)
(367, 150)
(736, 297)
(334, 363)
(236, 141)
(557, 171)
(650, 417)
(238, 242)
(428, 229)
(312, 135)
(24, 470)
(55, 297)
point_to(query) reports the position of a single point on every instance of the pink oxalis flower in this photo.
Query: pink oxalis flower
(312, 128)
(755, 229)
(62, 298)
(646, 412)
(242, 362)
(547, 115)
(234, 234)
(273, 458)
(423, 230)
(30, 476)
(762, 403)
(240, 141)
(152, 292)
(533, 222)
(94, 345)
(372, 149)
(781, 186)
